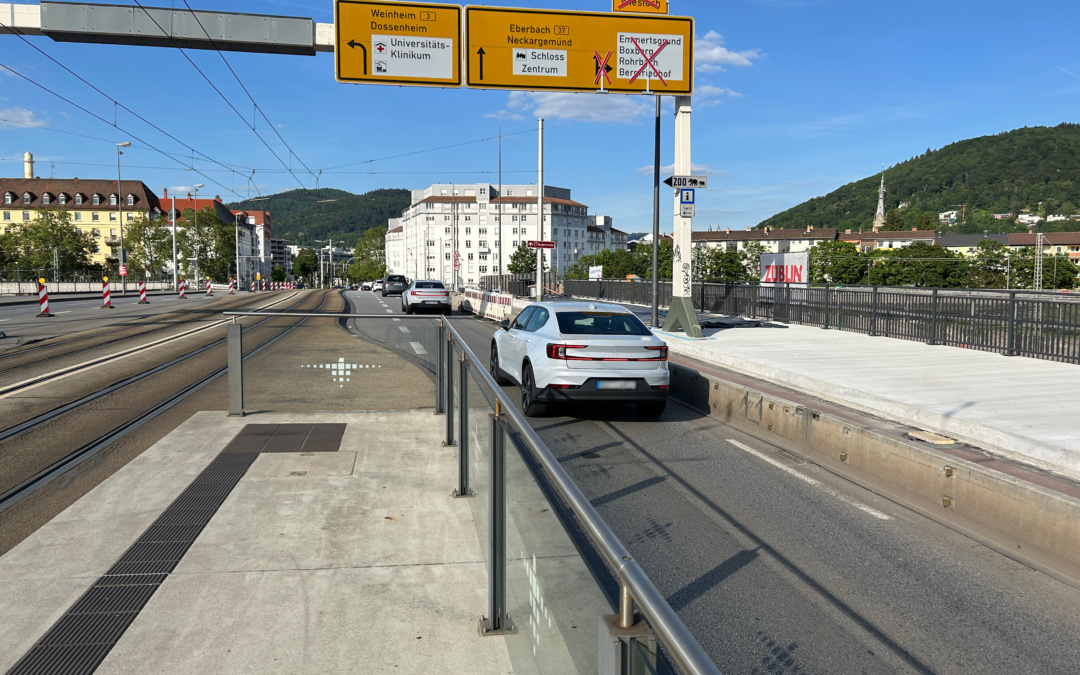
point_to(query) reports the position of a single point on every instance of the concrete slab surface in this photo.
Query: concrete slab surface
(1021, 408)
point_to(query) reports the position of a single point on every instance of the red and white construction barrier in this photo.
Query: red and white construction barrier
(209, 290)
(231, 288)
(264, 284)
(183, 289)
(495, 306)
(142, 294)
(43, 301)
(106, 298)
(252, 285)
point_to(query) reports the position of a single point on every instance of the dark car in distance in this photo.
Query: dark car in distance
(396, 284)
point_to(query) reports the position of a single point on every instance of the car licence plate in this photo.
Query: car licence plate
(616, 384)
(431, 302)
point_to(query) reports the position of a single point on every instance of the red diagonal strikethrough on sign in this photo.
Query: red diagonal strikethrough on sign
(649, 61)
(601, 67)
(650, 3)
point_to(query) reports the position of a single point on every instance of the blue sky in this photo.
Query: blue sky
(793, 98)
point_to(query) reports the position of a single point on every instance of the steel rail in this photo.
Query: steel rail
(682, 646)
(27, 487)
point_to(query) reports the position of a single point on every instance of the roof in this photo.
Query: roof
(759, 235)
(448, 199)
(399, 228)
(614, 231)
(893, 234)
(145, 199)
(532, 200)
(1049, 238)
(969, 240)
(202, 202)
(261, 217)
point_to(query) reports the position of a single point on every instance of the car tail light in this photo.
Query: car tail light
(662, 356)
(559, 386)
(555, 351)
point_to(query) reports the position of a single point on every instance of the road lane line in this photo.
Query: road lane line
(397, 319)
(389, 311)
(404, 329)
(418, 348)
(810, 481)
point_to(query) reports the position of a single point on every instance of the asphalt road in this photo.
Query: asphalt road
(777, 566)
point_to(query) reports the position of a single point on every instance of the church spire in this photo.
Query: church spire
(879, 217)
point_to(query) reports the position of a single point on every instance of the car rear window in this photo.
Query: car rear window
(429, 284)
(395, 279)
(600, 323)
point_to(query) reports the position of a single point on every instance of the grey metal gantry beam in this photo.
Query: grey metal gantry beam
(164, 27)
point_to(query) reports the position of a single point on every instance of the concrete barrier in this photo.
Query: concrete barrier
(1036, 525)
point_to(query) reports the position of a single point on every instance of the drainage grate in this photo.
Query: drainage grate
(81, 639)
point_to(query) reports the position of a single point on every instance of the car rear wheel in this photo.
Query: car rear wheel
(529, 405)
(496, 372)
(406, 307)
(651, 409)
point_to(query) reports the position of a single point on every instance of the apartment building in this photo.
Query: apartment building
(465, 232)
(773, 240)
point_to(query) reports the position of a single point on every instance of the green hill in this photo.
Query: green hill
(991, 174)
(298, 216)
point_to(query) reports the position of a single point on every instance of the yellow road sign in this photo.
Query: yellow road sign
(578, 51)
(397, 43)
(641, 6)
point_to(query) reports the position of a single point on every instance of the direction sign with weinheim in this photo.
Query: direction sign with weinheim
(397, 43)
(538, 50)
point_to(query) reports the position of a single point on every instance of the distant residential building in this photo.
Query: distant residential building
(280, 255)
(1054, 243)
(1029, 219)
(1056, 217)
(869, 241)
(259, 221)
(93, 205)
(903, 205)
(948, 217)
(174, 206)
(1002, 216)
(968, 244)
(774, 240)
(477, 229)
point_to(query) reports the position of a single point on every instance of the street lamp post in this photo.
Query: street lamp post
(196, 209)
(175, 271)
(120, 210)
(236, 245)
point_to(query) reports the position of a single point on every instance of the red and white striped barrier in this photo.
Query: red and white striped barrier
(106, 298)
(183, 288)
(209, 290)
(494, 306)
(43, 299)
(142, 294)
(231, 288)
(264, 284)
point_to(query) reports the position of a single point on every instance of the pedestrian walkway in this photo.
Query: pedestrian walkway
(1021, 408)
(324, 556)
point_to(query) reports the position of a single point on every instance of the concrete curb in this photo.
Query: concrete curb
(1048, 457)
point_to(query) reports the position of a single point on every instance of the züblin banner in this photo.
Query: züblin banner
(785, 268)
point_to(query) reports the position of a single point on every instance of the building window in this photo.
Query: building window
(470, 256)
(62, 199)
(431, 242)
(96, 232)
(26, 198)
(78, 216)
(446, 231)
(447, 256)
(112, 217)
(131, 202)
(94, 217)
(112, 200)
(468, 243)
(112, 232)
(7, 215)
(468, 230)
(130, 216)
(78, 199)
(45, 199)
(483, 244)
(95, 200)
(7, 198)
(483, 269)
(25, 216)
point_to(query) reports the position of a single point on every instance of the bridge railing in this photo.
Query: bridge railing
(557, 574)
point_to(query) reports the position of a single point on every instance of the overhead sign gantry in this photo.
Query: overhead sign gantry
(397, 43)
(537, 50)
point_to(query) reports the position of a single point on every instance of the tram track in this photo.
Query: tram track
(22, 481)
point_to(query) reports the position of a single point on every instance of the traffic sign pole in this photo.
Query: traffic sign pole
(656, 223)
(540, 217)
(681, 313)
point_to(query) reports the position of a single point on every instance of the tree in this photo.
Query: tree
(925, 221)
(278, 274)
(208, 244)
(919, 264)
(368, 257)
(51, 241)
(617, 265)
(522, 261)
(723, 264)
(751, 259)
(989, 266)
(1058, 271)
(147, 242)
(894, 222)
(837, 262)
(305, 263)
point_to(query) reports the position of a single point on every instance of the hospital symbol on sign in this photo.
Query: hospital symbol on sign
(380, 47)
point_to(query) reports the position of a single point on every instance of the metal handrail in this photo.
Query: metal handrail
(686, 651)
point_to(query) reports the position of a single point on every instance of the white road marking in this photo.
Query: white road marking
(810, 481)
(66, 311)
(404, 329)
(397, 319)
(418, 348)
(389, 311)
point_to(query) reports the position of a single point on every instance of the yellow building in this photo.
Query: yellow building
(95, 206)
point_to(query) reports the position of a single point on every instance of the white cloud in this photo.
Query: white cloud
(710, 54)
(707, 96)
(17, 117)
(178, 190)
(698, 169)
(598, 108)
(281, 126)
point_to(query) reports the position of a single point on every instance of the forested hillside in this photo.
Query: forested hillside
(1036, 168)
(298, 215)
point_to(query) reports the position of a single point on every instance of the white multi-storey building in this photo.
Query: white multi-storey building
(479, 229)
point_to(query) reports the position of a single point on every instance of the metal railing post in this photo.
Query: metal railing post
(626, 606)
(448, 371)
(825, 319)
(440, 368)
(934, 318)
(463, 489)
(236, 369)
(497, 620)
(1010, 350)
(874, 314)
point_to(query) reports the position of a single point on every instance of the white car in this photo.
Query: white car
(377, 286)
(426, 295)
(581, 351)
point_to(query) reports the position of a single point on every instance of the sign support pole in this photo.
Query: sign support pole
(656, 223)
(540, 219)
(682, 313)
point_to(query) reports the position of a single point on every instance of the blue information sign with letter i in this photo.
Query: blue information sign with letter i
(686, 196)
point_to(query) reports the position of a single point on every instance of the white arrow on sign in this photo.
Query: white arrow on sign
(687, 181)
